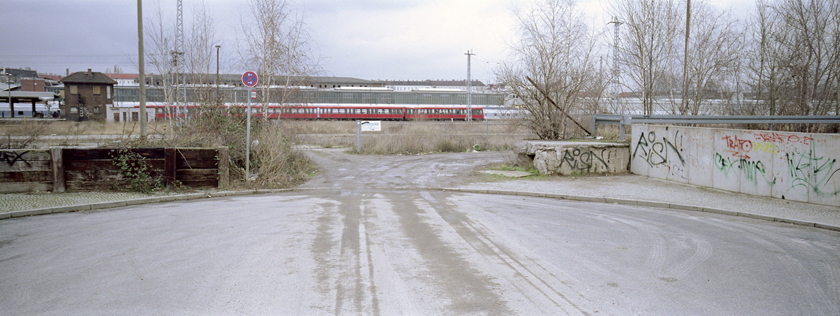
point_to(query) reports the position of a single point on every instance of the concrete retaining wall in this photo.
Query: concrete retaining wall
(570, 158)
(793, 166)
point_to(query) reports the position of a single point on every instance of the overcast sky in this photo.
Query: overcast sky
(368, 39)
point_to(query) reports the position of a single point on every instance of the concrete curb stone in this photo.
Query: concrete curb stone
(692, 208)
(195, 196)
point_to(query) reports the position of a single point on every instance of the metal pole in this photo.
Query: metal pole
(684, 103)
(142, 69)
(358, 136)
(248, 139)
(217, 74)
(9, 89)
(469, 87)
(486, 134)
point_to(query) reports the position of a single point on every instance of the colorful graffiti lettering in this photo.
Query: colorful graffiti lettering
(766, 147)
(811, 172)
(656, 152)
(751, 170)
(738, 147)
(782, 139)
(583, 160)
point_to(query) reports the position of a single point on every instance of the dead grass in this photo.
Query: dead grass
(49, 127)
(411, 137)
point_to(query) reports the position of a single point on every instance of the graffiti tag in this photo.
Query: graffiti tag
(11, 157)
(766, 147)
(738, 147)
(656, 152)
(751, 170)
(583, 160)
(806, 170)
(782, 139)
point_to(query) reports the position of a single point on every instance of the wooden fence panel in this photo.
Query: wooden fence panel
(78, 169)
(25, 170)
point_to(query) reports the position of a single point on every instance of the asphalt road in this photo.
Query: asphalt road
(374, 238)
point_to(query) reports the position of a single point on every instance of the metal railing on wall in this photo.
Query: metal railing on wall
(622, 120)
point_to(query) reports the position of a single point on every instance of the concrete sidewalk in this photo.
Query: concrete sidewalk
(623, 189)
(640, 190)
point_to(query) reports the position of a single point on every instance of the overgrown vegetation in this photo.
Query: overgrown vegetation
(273, 162)
(136, 170)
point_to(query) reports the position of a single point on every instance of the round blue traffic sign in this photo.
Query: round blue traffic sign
(249, 79)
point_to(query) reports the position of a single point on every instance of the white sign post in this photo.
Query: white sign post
(365, 126)
(249, 79)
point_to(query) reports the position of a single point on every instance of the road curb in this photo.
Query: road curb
(196, 196)
(649, 204)
(140, 201)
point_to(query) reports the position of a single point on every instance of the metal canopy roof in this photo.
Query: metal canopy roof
(27, 96)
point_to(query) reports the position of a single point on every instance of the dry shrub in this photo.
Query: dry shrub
(272, 159)
(274, 163)
(27, 134)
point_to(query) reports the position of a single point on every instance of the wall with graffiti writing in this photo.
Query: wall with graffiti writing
(794, 166)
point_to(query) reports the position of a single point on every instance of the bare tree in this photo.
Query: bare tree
(159, 45)
(199, 56)
(715, 48)
(555, 49)
(798, 48)
(277, 46)
(649, 46)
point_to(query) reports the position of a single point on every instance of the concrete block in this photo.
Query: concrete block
(96, 206)
(793, 221)
(42, 211)
(621, 201)
(701, 156)
(570, 158)
(5, 215)
(589, 199)
(687, 207)
(143, 201)
(824, 182)
(532, 194)
(757, 216)
(653, 204)
(71, 208)
(829, 227)
(719, 211)
(559, 196)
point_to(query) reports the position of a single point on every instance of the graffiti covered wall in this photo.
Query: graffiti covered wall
(794, 166)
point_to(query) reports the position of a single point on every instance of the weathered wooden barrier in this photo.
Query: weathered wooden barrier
(74, 169)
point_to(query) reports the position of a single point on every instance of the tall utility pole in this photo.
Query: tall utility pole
(469, 86)
(217, 74)
(684, 105)
(142, 69)
(616, 75)
(176, 58)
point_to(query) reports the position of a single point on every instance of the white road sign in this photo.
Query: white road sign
(371, 126)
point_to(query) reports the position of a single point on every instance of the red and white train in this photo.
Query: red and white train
(339, 112)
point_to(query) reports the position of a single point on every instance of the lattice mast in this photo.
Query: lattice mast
(616, 73)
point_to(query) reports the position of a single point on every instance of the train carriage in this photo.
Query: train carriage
(336, 112)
